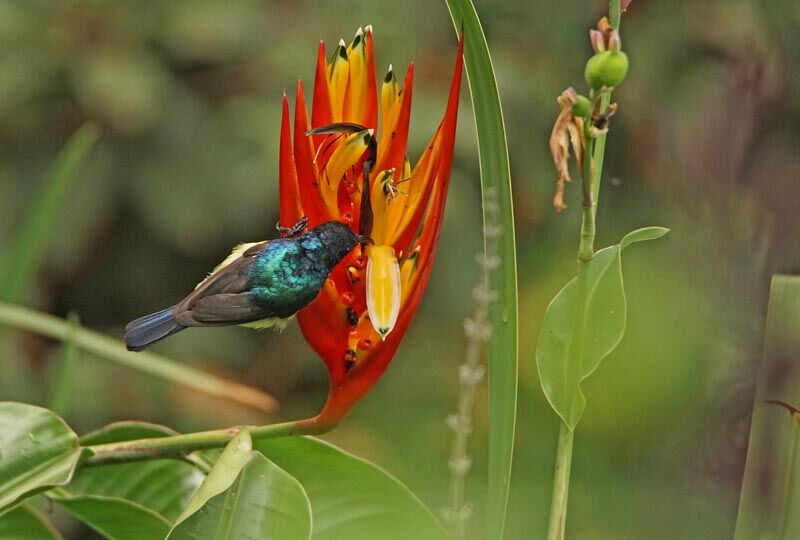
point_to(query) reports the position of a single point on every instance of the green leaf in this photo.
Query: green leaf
(575, 338)
(771, 482)
(28, 247)
(115, 519)
(126, 430)
(26, 523)
(350, 497)
(37, 451)
(245, 496)
(496, 190)
(129, 501)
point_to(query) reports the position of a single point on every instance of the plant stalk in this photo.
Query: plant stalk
(591, 176)
(178, 446)
(145, 362)
(471, 373)
(558, 506)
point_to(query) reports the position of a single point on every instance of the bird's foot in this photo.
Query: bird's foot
(294, 230)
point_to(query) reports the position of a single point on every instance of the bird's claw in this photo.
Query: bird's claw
(294, 230)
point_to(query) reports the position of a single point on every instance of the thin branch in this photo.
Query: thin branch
(145, 362)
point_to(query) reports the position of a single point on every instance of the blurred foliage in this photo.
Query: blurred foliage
(187, 97)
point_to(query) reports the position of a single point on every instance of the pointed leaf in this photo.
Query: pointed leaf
(771, 482)
(246, 496)
(26, 523)
(568, 351)
(29, 245)
(126, 430)
(37, 450)
(351, 498)
(129, 501)
(496, 192)
(114, 519)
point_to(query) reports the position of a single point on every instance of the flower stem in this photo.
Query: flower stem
(558, 506)
(177, 446)
(592, 171)
(471, 373)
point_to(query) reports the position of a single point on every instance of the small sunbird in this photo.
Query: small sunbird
(260, 284)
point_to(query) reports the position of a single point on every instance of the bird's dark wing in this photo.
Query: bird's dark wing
(224, 297)
(225, 308)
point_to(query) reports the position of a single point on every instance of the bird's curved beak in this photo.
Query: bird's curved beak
(364, 239)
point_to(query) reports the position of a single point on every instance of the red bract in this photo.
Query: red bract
(360, 316)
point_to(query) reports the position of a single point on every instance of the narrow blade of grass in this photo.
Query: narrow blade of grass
(28, 246)
(771, 485)
(145, 362)
(61, 382)
(495, 179)
(23, 253)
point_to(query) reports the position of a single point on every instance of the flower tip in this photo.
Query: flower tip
(383, 288)
(342, 43)
(368, 29)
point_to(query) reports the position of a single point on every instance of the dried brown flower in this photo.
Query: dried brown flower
(567, 132)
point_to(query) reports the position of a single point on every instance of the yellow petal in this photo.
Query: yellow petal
(381, 198)
(358, 79)
(390, 107)
(338, 75)
(343, 158)
(383, 288)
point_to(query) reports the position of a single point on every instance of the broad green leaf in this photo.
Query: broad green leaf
(26, 523)
(771, 484)
(37, 450)
(126, 430)
(350, 497)
(129, 501)
(574, 337)
(115, 519)
(246, 496)
(496, 192)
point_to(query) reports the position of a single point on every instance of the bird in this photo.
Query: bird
(259, 285)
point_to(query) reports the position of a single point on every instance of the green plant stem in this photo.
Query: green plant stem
(614, 13)
(145, 362)
(588, 229)
(558, 506)
(592, 172)
(177, 446)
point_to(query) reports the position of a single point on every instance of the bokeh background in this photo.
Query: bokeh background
(187, 95)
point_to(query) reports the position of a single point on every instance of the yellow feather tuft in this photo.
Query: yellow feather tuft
(273, 322)
(235, 254)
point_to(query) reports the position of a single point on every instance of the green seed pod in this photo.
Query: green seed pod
(607, 68)
(582, 107)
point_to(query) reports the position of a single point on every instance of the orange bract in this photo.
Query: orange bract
(360, 316)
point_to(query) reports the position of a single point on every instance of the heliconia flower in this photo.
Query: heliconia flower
(348, 162)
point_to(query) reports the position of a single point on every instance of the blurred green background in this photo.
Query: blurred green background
(187, 95)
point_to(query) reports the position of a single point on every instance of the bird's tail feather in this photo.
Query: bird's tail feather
(145, 331)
